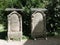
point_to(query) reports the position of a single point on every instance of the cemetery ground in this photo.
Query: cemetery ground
(50, 41)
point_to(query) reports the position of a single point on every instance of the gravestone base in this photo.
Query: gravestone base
(14, 36)
(38, 34)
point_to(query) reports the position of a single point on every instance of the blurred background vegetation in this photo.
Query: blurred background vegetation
(52, 13)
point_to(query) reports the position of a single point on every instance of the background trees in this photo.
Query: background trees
(53, 15)
(52, 6)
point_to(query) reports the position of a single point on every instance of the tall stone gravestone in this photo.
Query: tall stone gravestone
(14, 26)
(38, 24)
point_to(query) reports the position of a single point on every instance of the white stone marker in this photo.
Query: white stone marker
(14, 26)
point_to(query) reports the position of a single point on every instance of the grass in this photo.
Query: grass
(24, 37)
(2, 28)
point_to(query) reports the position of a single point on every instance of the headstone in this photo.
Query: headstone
(38, 24)
(14, 26)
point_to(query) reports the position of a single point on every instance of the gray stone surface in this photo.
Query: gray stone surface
(14, 26)
(38, 24)
(50, 41)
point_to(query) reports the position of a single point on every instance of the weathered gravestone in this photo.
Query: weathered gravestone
(14, 26)
(38, 24)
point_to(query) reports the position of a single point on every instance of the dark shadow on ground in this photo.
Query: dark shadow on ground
(50, 41)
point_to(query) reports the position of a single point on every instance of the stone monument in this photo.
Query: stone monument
(38, 24)
(14, 26)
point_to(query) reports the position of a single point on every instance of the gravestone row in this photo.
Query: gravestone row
(15, 25)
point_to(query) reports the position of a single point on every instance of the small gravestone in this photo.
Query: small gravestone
(38, 24)
(14, 26)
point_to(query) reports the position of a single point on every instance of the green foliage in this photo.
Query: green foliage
(38, 3)
(1, 28)
(25, 37)
(53, 12)
(53, 16)
(2, 4)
